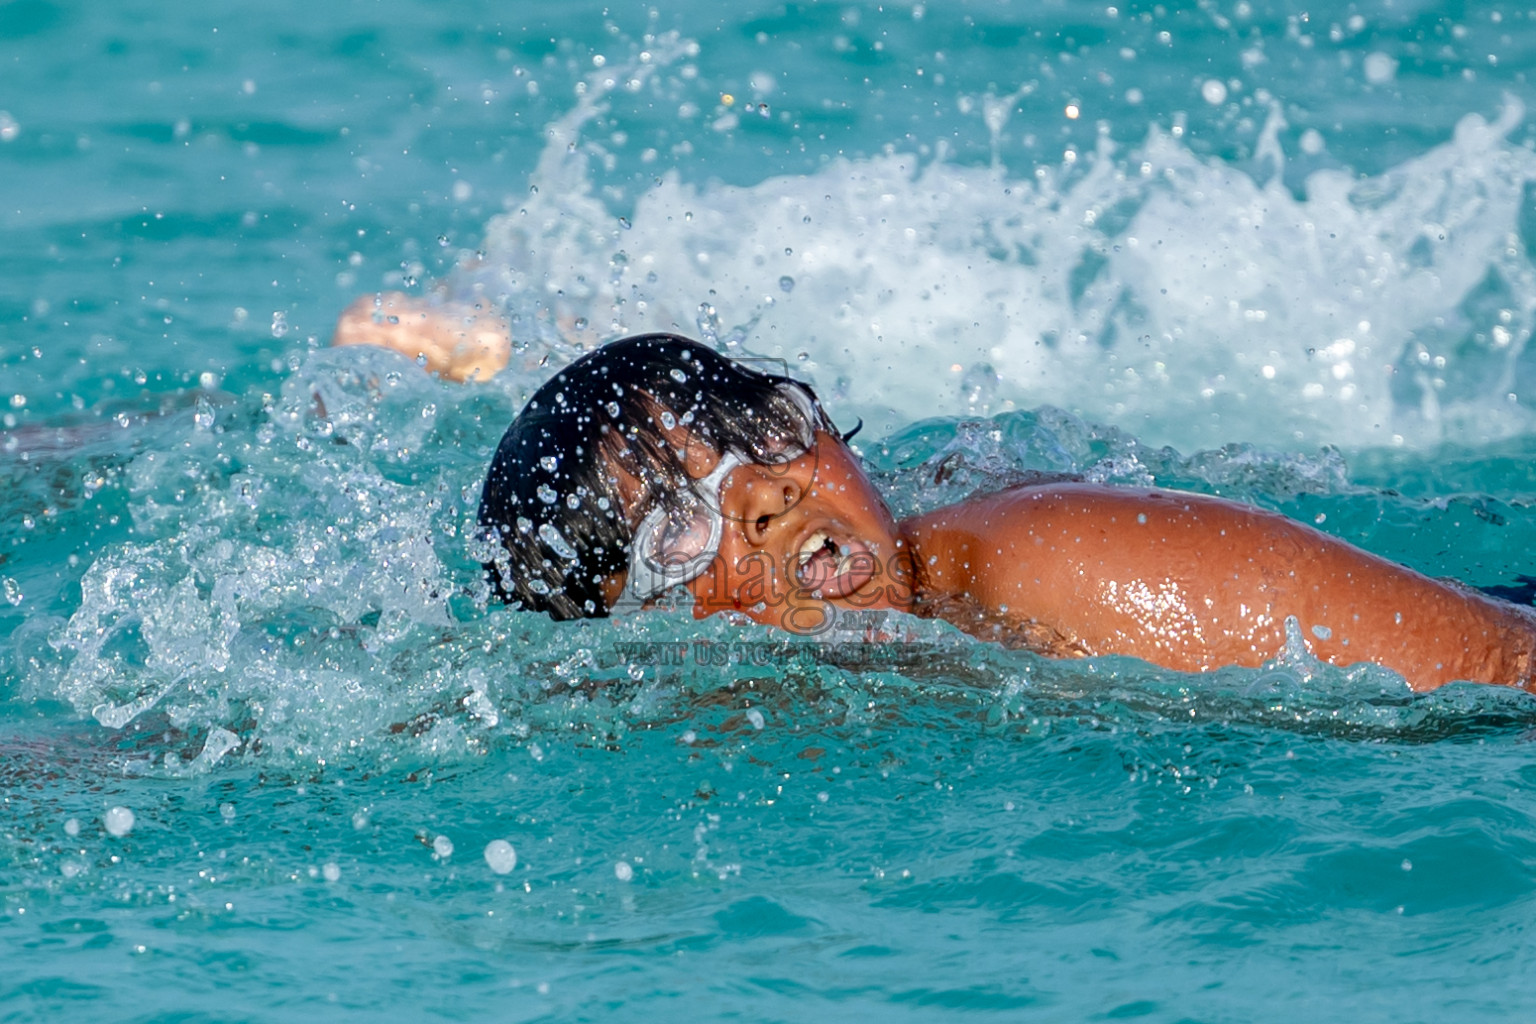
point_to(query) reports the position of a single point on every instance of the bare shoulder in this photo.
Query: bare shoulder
(1090, 507)
(1050, 538)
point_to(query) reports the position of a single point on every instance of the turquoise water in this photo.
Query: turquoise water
(1278, 253)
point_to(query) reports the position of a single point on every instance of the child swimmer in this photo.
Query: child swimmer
(654, 462)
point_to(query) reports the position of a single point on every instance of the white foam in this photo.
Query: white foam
(1143, 285)
(500, 856)
(118, 821)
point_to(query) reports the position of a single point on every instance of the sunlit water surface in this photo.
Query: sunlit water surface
(265, 752)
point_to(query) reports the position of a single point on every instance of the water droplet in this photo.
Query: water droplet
(442, 847)
(679, 376)
(549, 462)
(11, 590)
(331, 872)
(72, 827)
(279, 323)
(613, 408)
(500, 855)
(624, 223)
(547, 494)
(786, 283)
(668, 420)
(622, 871)
(119, 821)
(572, 502)
(202, 414)
(979, 385)
(581, 323)
(755, 717)
(227, 811)
(562, 547)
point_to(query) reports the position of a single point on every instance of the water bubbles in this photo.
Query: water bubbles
(678, 375)
(331, 872)
(668, 420)
(9, 129)
(1213, 91)
(11, 591)
(551, 536)
(613, 409)
(202, 413)
(550, 463)
(72, 827)
(442, 847)
(1379, 67)
(444, 241)
(547, 494)
(500, 855)
(572, 502)
(227, 811)
(118, 821)
(978, 385)
(622, 871)
(279, 323)
(708, 322)
(786, 283)
(755, 717)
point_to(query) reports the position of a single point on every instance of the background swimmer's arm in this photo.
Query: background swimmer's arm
(458, 342)
(1192, 583)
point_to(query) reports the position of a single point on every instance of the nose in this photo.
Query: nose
(757, 496)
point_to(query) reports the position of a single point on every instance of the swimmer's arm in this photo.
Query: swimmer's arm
(1193, 582)
(454, 341)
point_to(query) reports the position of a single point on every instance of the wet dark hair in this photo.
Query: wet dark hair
(551, 498)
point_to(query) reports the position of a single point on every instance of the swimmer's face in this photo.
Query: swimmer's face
(801, 541)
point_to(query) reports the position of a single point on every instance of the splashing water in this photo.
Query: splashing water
(1194, 301)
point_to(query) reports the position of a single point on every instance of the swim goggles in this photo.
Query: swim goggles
(674, 547)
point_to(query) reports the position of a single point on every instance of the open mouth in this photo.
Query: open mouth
(831, 569)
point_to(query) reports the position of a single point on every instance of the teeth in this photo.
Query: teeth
(814, 543)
